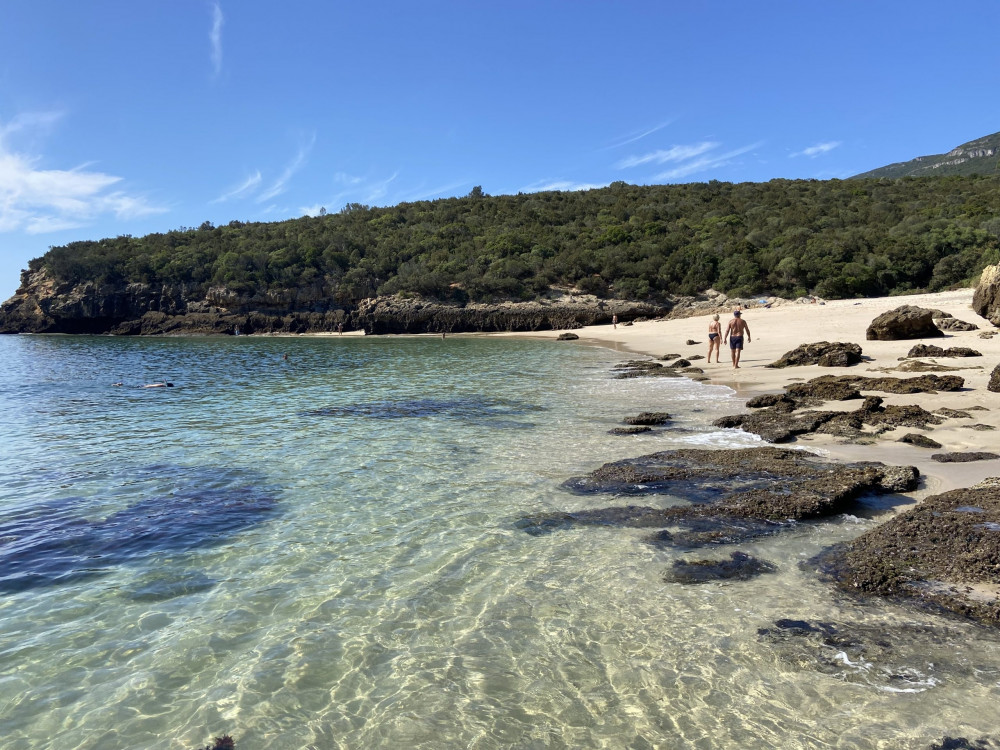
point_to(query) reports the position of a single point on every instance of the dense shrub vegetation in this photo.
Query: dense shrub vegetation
(788, 237)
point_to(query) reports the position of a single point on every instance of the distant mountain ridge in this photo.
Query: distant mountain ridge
(978, 157)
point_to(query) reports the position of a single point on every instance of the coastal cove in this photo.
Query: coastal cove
(327, 551)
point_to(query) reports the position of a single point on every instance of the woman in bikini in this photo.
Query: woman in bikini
(714, 336)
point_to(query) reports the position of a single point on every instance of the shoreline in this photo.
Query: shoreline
(780, 329)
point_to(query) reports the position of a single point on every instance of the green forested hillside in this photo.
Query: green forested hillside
(788, 237)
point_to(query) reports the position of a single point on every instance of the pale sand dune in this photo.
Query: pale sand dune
(779, 329)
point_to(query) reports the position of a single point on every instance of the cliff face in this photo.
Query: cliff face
(41, 305)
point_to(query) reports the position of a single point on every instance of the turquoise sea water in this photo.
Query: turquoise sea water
(322, 552)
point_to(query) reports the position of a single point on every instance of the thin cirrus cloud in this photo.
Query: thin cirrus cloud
(689, 159)
(818, 150)
(281, 184)
(664, 156)
(37, 201)
(215, 37)
(245, 188)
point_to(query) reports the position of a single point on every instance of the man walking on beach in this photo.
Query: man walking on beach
(735, 332)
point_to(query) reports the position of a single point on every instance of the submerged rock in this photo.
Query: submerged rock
(740, 566)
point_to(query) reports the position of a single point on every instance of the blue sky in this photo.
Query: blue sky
(124, 117)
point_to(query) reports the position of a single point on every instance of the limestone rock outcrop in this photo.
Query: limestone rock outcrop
(986, 299)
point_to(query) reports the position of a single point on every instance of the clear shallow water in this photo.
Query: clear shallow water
(322, 552)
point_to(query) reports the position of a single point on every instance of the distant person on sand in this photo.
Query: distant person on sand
(735, 332)
(714, 338)
(614, 320)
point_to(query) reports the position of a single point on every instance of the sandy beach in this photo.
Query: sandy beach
(782, 327)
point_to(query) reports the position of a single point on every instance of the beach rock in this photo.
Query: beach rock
(740, 566)
(945, 551)
(994, 384)
(954, 324)
(961, 458)
(953, 413)
(648, 418)
(987, 334)
(567, 337)
(693, 357)
(921, 441)
(821, 353)
(905, 322)
(918, 365)
(830, 390)
(680, 363)
(692, 342)
(986, 298)
(770, 399)
(728, 495)
(929, 350)
(980, 427)
(667, 357)
(775, 424)
(919, 384)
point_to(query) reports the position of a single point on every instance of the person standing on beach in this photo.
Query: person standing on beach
(614, 320)
(714, 338)
(735, 332)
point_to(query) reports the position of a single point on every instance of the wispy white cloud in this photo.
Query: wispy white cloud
(813, 151)
(672, 154)
(704, 163)
(215, 37)
(242, 190)
(638, 136)
(281, 184)
(37, 200)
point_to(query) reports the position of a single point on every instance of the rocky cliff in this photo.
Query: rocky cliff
(41, 305)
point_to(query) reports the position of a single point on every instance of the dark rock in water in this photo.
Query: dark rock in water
(961, 743)
(680, 363)
(641, 368)
(225, 742)
(186, 508)
(921, 441)
(929, 350)
(994, 384)
(629, 430)
(905, 322)
(961, 458)
(649, 418)
(944, 551)
(732, 494)
(567, 337)
(740, 566)
(821, 353)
